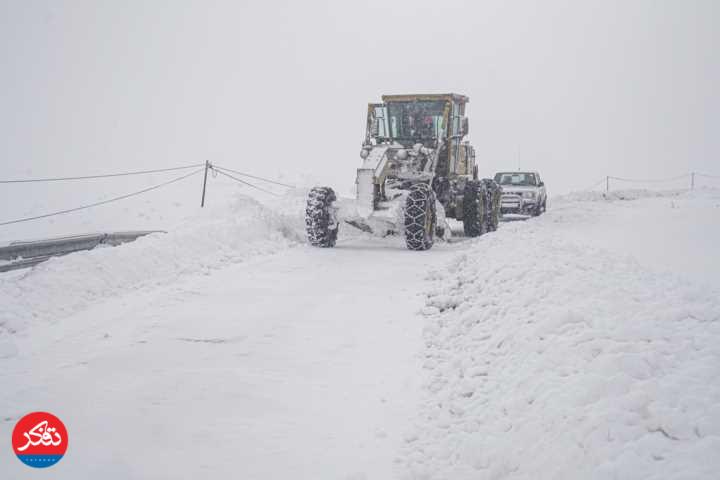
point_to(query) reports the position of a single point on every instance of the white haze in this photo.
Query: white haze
(576, 90)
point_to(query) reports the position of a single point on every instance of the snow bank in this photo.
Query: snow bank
(216, 236)
(546, 359)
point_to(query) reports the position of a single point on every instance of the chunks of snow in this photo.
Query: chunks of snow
(549, 358)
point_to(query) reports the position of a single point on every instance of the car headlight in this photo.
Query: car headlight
(528, 194)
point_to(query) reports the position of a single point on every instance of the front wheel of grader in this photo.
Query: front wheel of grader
(321, 226)
(420, 217)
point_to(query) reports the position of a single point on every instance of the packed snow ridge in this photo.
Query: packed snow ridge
(551, 359)
(236, 231)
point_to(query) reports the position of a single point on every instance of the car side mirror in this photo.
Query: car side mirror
(541, 184)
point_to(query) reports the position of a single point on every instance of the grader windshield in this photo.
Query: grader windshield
(410, 122)
(416, 121)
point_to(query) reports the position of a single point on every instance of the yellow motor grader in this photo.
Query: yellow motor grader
(417, 170)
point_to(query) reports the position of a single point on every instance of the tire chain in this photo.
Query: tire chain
(474, 206)
(420, 202)
(318, 217)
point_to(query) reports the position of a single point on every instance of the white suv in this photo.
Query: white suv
(522, 193)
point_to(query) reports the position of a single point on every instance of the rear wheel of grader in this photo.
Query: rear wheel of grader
(474, 209)
(420, 217)
(493, 208)
(320, 223)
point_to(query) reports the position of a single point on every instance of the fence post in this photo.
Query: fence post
(692, 181)
(607, 183)
(207, 166)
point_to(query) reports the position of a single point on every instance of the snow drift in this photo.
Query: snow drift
(565, 361)
(235, 232)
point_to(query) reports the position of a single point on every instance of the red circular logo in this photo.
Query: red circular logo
(39, 439)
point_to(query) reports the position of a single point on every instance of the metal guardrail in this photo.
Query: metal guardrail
(24, 254)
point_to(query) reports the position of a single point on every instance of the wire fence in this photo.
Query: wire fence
(102, 202)
(690, 181)
(104, 175)
(218, 167)
(654, 180)
(606, 182)
(203, 167)
(222, 172)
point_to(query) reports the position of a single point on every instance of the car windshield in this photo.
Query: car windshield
(524, 179)
(416, 119)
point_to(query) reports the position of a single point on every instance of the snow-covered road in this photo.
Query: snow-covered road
(582, 343)
(298, 365)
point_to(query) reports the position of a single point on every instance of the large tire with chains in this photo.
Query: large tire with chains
(493, 195)
(420, 217)
(321, 226)
(474, 208)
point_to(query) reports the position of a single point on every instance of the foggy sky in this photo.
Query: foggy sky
(575, 89)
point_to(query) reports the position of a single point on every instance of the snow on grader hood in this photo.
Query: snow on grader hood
(417, 170)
